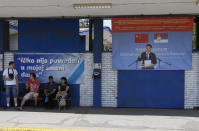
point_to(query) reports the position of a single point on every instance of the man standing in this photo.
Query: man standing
(11, 81)
(148, 58)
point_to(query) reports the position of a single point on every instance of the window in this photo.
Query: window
(107, 35)
(13, 35)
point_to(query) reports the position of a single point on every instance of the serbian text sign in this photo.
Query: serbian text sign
(69, 65)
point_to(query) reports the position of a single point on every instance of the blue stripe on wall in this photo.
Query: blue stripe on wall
(74, 77)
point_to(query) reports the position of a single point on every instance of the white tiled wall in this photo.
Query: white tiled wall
(8, 56)
(109, 82)
(86, 89)
(1, 62)
(192, 84)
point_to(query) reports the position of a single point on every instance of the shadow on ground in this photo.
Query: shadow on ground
(115, 111)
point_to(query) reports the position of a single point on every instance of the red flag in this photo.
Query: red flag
(141, 38)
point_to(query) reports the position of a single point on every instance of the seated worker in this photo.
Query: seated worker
(63, 89)
(33, 86)
(50, 92)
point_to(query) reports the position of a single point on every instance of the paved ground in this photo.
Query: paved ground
(104, 119)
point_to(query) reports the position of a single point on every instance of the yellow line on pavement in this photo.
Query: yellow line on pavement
(36, 129)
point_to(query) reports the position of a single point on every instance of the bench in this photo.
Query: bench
(41, 98)
(29, 102)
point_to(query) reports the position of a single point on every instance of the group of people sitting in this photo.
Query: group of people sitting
(51, 90)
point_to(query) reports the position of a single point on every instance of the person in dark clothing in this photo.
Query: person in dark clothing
(62, 93)
(148, 56)
(50, 92)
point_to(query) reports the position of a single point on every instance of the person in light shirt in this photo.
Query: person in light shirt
(11, 82)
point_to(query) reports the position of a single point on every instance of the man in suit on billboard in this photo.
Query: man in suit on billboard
(148, 58)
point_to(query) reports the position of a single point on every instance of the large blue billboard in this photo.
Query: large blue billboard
(152, 47)
(69, 65)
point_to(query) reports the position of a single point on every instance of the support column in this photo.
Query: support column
(197, 33)
(4, 36)
(90, 35)
(97, 52)
(4, 46)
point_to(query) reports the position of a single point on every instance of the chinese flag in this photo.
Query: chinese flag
(141, 38)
